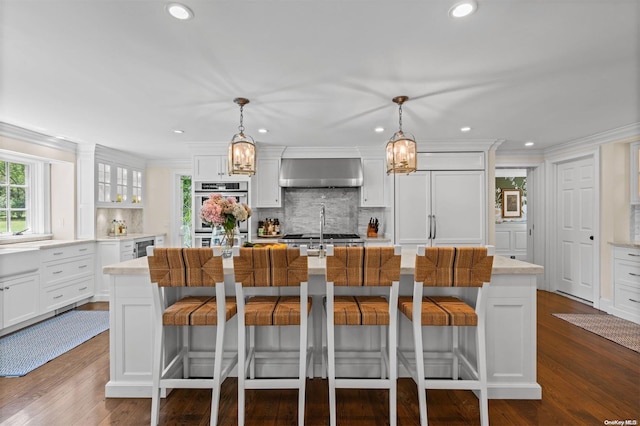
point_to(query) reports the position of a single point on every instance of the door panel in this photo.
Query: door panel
(457, 205)
(412, 206)
(575, 218)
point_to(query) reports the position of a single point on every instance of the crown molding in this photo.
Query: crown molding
(178, 164)
(621, 134)
(15, 132)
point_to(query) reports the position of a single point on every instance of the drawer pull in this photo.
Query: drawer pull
(57, 297)
(634, 255)
(82, 266)
(83, 249)
(58, 253)
(636, 301)
(635, 275)
(83, 288)
(57, 272)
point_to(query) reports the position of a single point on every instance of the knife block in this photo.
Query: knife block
(371, 231)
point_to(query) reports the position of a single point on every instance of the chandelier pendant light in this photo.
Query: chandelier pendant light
(242, 148)
(401, 148)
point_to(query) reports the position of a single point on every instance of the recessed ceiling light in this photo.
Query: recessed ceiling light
(178, 131)
(462, 9)
(529, 144)
(179, 11)
(379, 129)
(465, 129)
(263, 130)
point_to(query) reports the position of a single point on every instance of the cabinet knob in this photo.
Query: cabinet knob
(591, 237)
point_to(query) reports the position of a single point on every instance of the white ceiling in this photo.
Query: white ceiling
(124, 74)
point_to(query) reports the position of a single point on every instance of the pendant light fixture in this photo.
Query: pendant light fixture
(401, 148)
(242, 149)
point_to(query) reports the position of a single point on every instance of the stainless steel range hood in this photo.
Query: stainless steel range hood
(320, 172)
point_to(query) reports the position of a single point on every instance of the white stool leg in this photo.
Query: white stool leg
(217, 372)
(393, 373)
(302, 370)
(417, 342)
(331, 355)
(482, 374)
(383, 349)
(242, 352)
(252, 348)
(157, 372)
(455, 373)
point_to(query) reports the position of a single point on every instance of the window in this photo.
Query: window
(14, 197)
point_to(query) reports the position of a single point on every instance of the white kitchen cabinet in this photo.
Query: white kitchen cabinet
(626, 283)
(214, 168)
(19, 298)
(266, 180)
(109, 253)
(118, 185)
(158, 241)
(372, 193)
(440, 208)
(67, 275)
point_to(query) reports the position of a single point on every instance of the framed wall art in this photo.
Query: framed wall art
(511, 203)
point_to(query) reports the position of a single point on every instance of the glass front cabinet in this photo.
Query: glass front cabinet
(118, 186)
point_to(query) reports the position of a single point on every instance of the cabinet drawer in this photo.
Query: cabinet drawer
(56, 297)
(627, 298)
(54, 272)
(627, 253)
(126, 246)
(627, 273)
(67, 252)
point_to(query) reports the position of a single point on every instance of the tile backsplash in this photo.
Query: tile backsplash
(301, 211)
(104, 217)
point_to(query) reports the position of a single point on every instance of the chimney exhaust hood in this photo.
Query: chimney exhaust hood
(320, 172)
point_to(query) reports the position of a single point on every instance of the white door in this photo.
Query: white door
(575, 225)
(457, 208)
(412, 207)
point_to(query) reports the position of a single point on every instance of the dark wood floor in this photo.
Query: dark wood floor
(585, 380)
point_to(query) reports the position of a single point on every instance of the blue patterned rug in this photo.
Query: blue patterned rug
(28, 349)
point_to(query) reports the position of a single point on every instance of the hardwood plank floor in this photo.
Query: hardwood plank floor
(585, 380)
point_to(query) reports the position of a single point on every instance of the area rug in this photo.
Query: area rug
(621, 331)
(28, 349)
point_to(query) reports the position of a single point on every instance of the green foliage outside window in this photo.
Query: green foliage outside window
(13, 196)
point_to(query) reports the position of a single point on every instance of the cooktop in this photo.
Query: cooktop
(317, 236)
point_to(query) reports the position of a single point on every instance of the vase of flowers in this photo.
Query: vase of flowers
(224, 214)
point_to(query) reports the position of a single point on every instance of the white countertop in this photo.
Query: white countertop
(501, 266)
(43, 244)
(628, 244)
(127, 237)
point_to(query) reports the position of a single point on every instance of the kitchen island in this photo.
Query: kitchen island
(511, 330)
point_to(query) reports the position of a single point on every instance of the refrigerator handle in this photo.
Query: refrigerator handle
(434, 226)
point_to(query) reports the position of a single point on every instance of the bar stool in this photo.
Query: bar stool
(449, 268)
(257, 271)
(175, 269)
(363, 267)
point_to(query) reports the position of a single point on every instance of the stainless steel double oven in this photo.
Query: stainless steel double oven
(202, 191)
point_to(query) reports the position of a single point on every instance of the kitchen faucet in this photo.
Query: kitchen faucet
(321, 247)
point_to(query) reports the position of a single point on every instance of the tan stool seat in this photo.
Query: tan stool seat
(440, 311)
(360, 310)
(273, 310)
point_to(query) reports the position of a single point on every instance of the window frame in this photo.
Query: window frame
(37, 198)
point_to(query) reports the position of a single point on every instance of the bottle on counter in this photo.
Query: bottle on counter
(276, 226)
